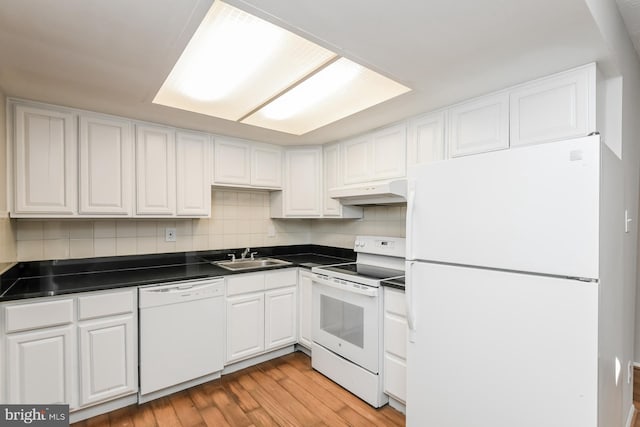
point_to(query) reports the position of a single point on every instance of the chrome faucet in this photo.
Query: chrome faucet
(245, 252)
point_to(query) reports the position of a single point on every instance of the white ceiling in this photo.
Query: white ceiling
(112, 56)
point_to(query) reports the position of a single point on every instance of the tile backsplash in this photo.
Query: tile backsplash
(238, 219)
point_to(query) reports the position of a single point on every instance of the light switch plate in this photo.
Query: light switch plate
(169, 234)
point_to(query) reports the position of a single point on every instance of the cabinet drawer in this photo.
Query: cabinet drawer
(38, 315)
(92, 306)
(394, 302)
(395, 336)
(281, 278)
(245, 283)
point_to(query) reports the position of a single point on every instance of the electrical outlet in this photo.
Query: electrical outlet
(169, 234)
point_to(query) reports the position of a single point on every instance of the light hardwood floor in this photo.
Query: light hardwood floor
(281, 392)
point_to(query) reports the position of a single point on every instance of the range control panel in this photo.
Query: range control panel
(378, 245)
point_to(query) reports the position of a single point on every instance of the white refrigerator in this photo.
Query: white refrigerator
(507, 254)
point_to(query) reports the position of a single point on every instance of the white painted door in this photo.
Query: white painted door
(155, 170)
(426, 138)
(555, 108)
(305, 302)
(479, 125)
(266, 166)
(108, 359)
(45, 161)
(395, 344)
(281, 317)
(245, 326)
(331, 179)
(231, 162)
(106, 166)
(41, 366)
(303, 185)
(356, 160)
(389, 147)
(193, 197)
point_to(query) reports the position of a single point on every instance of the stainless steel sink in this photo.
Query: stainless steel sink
(249, 264)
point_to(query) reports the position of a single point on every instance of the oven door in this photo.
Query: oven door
(346, 320)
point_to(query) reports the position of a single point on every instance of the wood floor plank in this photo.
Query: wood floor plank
(313, 403)
(186, 410)
(143, 416)
(299, 411)
(164, 413)
(241, 395)
(229, 408)
(284, 392)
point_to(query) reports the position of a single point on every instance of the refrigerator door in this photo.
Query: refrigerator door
(494, 348)
(532, 209)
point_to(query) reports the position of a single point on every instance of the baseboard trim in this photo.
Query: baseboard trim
(258, 359)
(103, 408)
(631, 418)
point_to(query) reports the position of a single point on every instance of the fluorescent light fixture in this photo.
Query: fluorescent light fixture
(241, 68)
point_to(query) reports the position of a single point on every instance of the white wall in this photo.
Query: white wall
(7, 236)
(624, 63)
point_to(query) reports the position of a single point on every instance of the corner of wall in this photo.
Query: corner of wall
(7, 226)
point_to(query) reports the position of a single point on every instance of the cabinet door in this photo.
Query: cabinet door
(281, 317)
(554, 108)
(426, 138)
(479, 126)
(106, 166)
(155, 170)
(303, 174)
(245, 326)
(331, 179)
(108, 360)
(389, 148)
(304, 309)
(356, 160)
(232, 162)
(266, 166)
(41, 366)
(193, 196)
(45, 161)
(395, 344)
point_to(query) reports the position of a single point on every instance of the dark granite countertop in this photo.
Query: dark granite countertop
(49, 278)
(397, 283)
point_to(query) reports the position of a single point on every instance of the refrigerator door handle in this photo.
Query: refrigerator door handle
(408, 295)
(411, 197)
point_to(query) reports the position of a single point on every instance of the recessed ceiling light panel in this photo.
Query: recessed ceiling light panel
(242, 68)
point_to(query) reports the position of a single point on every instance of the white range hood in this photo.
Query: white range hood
(372, 194)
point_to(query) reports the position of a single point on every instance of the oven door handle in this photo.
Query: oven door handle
(369, 291)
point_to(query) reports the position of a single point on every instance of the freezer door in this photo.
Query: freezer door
(501, 349)
(532, 209)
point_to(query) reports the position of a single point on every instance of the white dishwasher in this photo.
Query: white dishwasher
(181, 335)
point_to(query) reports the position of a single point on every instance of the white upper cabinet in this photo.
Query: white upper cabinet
(553, 108)
(375, 156)
(155, 170)
(232, 162)
(106, 166)
(247, 164)
(388, 157)
(356, 158)
(45, 163)
(331, 175)
(479, 125)
(301, 195)
(266, 166)
(426, 138)
(193, 197)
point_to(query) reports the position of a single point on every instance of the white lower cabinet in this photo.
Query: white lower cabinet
(395, 344)
(78, 349)
(261, 313)
(40, 366)
(280, 317)
(107, 359)
(305, 299)
(245, 326)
